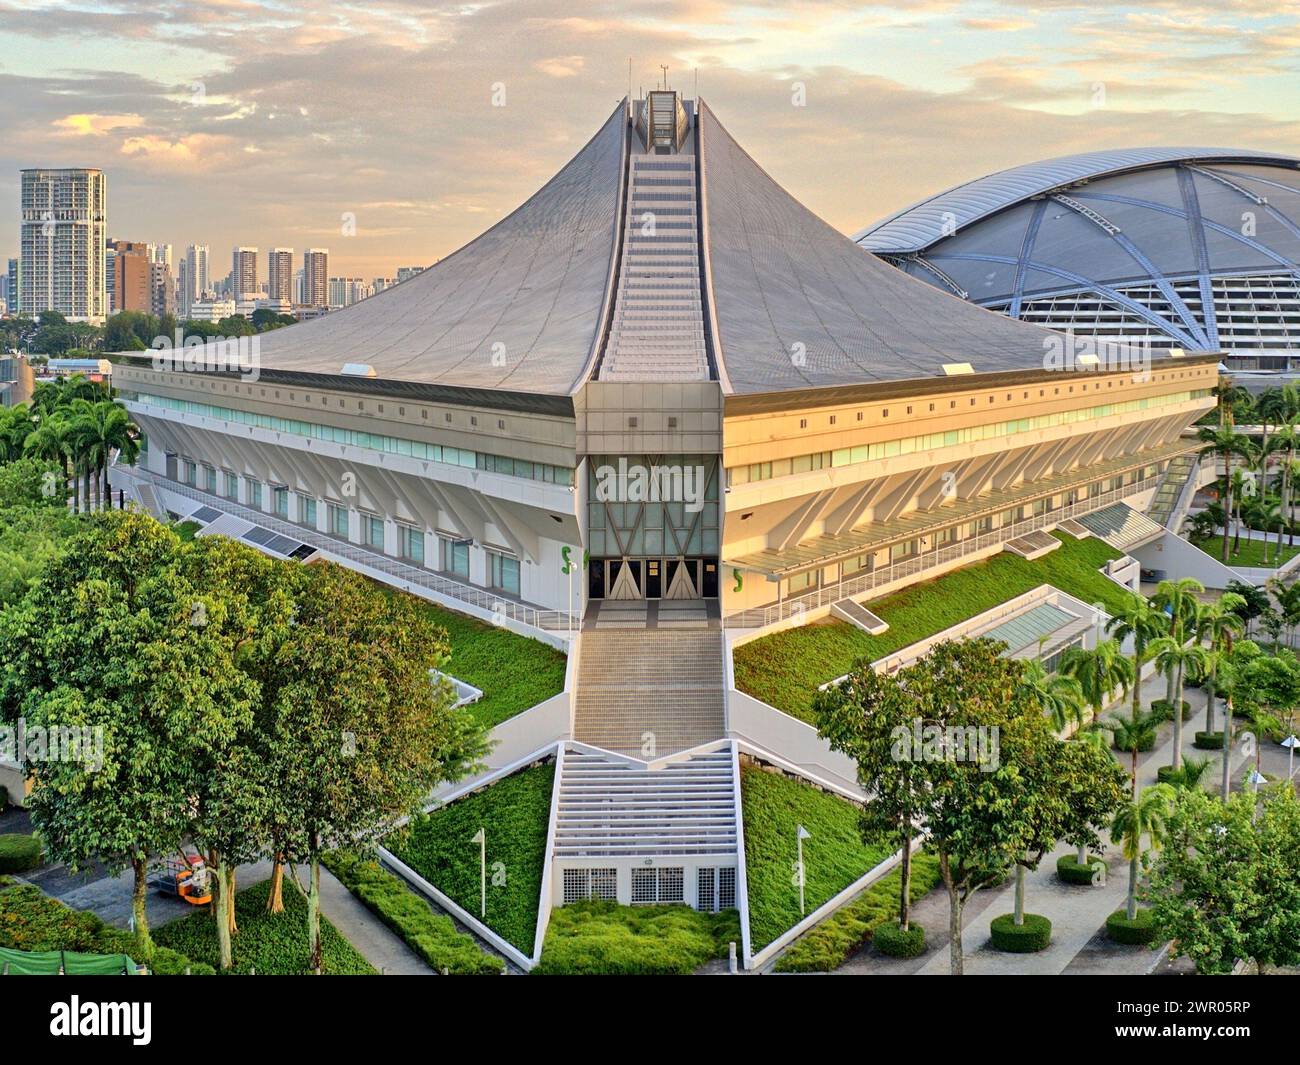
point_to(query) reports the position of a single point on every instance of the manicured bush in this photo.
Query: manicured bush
(1208, 741)
(431, 935)
(1167, 774)
(606, 939)
(515, 813)
(827, 945)
(32, 921)
(784, 668)
(1138, 932)
(1069, 871)
(774, 806)
(1165, 709)
(19, 852)
(1027, 938)
(1146, 745)
(273, 944)
(893, 942)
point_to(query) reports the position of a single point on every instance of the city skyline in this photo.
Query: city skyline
(287, 128)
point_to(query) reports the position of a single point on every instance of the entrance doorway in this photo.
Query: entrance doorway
(652, 578)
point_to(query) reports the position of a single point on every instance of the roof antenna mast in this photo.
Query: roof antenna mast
(665, 70)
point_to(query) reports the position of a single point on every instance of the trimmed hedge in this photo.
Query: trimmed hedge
(275, 944)
(1208, 741)
(893, 942)
(1027, 938)
(30, 920)
(1136, 933)
(19, 852)
(606, 939)
(1069, 871)
(431, 935)
(1167, 774)
(1165, 709)
(515, 812)
(774, 806)
(784, 668)
(829, 944)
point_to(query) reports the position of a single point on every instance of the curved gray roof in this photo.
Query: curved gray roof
(928, 220)
(798, 305)
(518, 308)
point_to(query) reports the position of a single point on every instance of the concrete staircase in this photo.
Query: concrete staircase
(649, 692)
(1169, 504)
(612, 808)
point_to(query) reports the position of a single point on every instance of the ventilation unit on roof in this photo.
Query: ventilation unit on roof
(954, 369)
(358, 369)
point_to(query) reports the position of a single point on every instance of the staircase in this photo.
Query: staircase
(649, 692)
(1164, 508)
(612, 808)
(657, 331)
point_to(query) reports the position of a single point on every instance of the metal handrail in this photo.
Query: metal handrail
(851, 587)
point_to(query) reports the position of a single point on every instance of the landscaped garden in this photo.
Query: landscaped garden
(514, 672)
(270, 944)
(785, 668)
(834, 855)
(514, 814)
(606, 939)
(1255, 554)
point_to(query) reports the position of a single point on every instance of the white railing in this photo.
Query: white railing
(485, 600)
(851, 587)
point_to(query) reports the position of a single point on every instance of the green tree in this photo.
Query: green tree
(1226, 443)
(1226, 886)
(1134, 734)
(1145, 814)
(1060, 696)
(30, 482)
(1141, 623)
(1217, 624)
(1176, 659)
(1100, 671)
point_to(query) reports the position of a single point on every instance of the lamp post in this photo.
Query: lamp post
(480, 837)
(801, 835)
(1290, 743)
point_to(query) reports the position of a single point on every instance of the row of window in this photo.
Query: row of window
(452, 456)
(453, 555)
(847, 456)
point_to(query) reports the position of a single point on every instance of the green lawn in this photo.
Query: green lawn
(830, 944)
(186, 529)
(271, 944)
(514, 813)
(606, 939)
(785, 668)
(514, 672)
(1250, 552)
(835, 856)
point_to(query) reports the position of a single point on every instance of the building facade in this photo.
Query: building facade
(315, 277)
(63, 237)
(279, 274)
(243, 274)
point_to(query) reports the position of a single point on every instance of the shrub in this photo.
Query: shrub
(1208, 741)
(515, 813)
(893, 942)
(1146, 745)
(1167, 774)
(606, 939)
(432, 936)
(1027, 938)
(1165, 709)
(1138, 932)
(1070, 871)
(19, 853)
(828, 945)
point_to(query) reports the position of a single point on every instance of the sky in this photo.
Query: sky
(393, 131)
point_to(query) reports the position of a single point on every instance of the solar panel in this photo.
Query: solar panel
(206, 515)
(302, 551)
(258, 535)
(281, 545)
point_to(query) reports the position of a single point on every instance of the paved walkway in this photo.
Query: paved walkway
(1078, 914)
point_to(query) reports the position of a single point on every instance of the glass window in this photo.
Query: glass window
(209, 480)
(503, 572)
(802, 581)
(455, 557)
(280, 502)
(307, 511)
(372, 531)
(232, 485)
(339, 521)
(411, 542)
(254, 493)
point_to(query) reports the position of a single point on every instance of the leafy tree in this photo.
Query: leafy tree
(1227, 884)
(1145, 814)
(30, 537)
(30, 482)
(1254, 600)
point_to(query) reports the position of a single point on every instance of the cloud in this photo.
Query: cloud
(561, 66)
(95, 125)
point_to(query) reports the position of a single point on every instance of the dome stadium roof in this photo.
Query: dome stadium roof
(1149, 238)
(735, 281)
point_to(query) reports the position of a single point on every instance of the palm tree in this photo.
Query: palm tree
(1134, 734)
(1141, 623)
(1217, 624)
(1099, 672)
(1224, 442)
(51, 440)
(1178, 600)
(1058, 695)
(1174, 658)
(1146, 814)
(15, 426)
(1193, 772)
(104, 428)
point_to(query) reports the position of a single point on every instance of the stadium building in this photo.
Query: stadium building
(660, 408)
(1194, 248)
